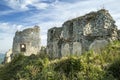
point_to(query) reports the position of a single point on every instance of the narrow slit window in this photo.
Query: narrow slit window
(22, 47)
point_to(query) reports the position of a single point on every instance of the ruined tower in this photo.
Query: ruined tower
(27, 41)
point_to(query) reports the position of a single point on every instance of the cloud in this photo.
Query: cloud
(24, 4)
(19, 4)
(16, 6)
(5, 44)
(9, 28)
(40, 5)
(62, 11)
(2, 13)
(1, 38)
(7, 31)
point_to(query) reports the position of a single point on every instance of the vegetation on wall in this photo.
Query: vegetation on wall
(88, 66)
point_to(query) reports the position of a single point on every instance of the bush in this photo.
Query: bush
(22, 67)
(114, 69)
(88, 66)
(68, 66)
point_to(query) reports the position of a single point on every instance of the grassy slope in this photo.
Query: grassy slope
(88, 66)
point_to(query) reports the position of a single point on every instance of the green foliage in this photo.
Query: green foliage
(21, 67)
(114, 69)
(88, 66)
(69, 65)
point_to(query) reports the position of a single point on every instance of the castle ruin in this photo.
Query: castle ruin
(25, 42)
(91, 31)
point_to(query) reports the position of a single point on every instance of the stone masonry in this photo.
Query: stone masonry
(25, 42)
(91, 31)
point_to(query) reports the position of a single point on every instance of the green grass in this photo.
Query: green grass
(88, 66)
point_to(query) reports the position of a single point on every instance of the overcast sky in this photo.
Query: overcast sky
(21, 14)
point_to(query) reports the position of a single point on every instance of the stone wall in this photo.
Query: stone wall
(118, 32)
(8, 56)
(79, 34)
(29, 39)
(25, 42)
(53, 42)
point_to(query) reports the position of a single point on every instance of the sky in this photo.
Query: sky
(20, 14)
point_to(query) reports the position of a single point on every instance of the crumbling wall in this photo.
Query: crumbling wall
(28, 38)
(77, 35)
(118, 32)
(8, 56)
(25, 42)
(53, 42)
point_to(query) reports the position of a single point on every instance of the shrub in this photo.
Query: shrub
(68, 66)
(114, 69)
(88, 66)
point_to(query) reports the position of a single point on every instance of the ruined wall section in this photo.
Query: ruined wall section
(30, 38)
(85, 29)
(8, 56)
(118, 32)
(84, 33)
(53, 42)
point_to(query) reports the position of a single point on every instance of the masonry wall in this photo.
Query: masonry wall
(79, 34)
(53, 42)
(28, 38)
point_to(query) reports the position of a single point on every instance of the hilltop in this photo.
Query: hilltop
(88, 66)
(84, 48)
